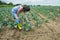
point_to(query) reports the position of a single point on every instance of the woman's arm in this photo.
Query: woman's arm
(26, 17)
(19, 10)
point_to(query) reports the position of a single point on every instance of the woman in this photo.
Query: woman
(17, 10)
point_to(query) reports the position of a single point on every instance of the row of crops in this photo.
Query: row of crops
(51, 11)
(7, 20)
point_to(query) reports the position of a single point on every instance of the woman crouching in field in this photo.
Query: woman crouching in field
(17, 10)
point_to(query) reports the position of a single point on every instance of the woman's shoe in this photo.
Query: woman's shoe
(19, 26)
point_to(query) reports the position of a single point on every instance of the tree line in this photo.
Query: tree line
(3, 3)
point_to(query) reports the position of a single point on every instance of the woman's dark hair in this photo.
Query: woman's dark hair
(26, 8)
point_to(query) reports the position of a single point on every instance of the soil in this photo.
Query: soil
(47, 31)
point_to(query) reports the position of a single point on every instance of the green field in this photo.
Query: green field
(39, 16)
(51, 12)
